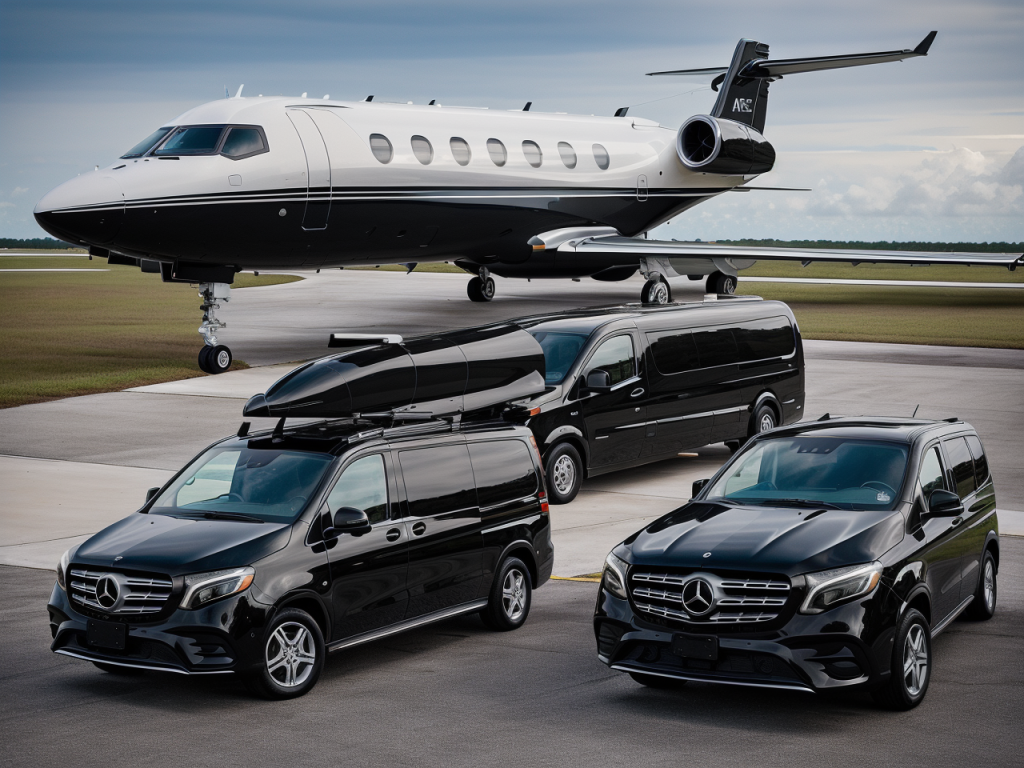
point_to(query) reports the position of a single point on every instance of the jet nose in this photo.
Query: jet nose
(88, 209)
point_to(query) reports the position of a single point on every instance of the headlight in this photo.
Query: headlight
(614, 576)
(827, 589)
(62, 569)
(203, 588)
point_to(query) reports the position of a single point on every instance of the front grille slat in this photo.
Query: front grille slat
(738, 600)
(137, 595)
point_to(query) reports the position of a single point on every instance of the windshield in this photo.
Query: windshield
(833, 471)
(560, 351)
(146, 144)
(192, 140)
(235, 481)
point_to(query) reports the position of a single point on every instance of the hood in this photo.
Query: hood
(767, 539)
(176, 546)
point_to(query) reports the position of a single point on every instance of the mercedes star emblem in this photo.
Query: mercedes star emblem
(107, 592)
(698, 597)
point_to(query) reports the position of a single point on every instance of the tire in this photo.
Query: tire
(719, 282)
(656, 292)
(480, 290)
(911, 664)
(204, 355)
(983, 606)
(115, 669)
(655, 681)
(564, 471)
(764, 419)
(284, 675)
(511, 595)
(218, 359)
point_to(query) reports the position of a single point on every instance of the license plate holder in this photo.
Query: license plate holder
(695, 646)
(106, 634)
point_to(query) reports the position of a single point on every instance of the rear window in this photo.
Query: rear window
(962, 465)
(438, 480)
(980, 462)
(673, 351)
(763, 339)
(504, 471)
(192, 140)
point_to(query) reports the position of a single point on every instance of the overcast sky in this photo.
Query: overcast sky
(928, 149)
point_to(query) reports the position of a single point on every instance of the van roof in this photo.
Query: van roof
(868, 427)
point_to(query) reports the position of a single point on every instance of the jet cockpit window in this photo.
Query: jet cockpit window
(460, 151)
(192, 140)
(497, 152)
(244, 141)
(567, 153)
(601, 157)
(422, 149)
(146, 144)
(381, 147)
(533, 154)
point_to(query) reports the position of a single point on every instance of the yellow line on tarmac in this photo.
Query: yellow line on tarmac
(594, 579)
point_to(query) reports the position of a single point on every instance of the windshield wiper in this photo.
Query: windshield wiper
(801, 503)
(226, 516)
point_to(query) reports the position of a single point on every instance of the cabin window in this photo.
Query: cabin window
(460, 151)
(146, 144)
(381, 147)
(567, 153)
(192, 140)
(601, 157)
(533, 154)
(422, 149)
(497, 152)
(243, 142)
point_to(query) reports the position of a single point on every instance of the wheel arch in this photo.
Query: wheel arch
(920, 600)
(311, 603)
(766, 397)
(992, 545)
(522, 549)
(571, 435)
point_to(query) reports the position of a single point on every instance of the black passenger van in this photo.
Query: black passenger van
(633, 384)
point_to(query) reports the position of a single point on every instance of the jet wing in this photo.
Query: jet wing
(670, 249)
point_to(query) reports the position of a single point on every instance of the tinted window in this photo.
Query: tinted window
(962, 465)
(931, 473)
(146, 144)
(601, 157)
(762, 339)
(460, 151)
(422, 149)
(242, 142)
(560, 351)
(980, 462)
(504, 471)
(438, 480)
(497, 152)
(673, 352)
(531, 150)
(715, 347)
(363, 485)
(192, 140)
(381, 147)
(616, 357)
(567, 153)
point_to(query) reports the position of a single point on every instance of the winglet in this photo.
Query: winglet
(239, 94)
(924, 45)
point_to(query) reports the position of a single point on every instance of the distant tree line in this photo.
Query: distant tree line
(881, 245)
(35, 242)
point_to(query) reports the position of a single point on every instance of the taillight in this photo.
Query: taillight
(543, 496)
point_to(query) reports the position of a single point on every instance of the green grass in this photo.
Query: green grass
(934, 273)
(75, 334)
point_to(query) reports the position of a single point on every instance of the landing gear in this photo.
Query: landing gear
(214, 357)
(481, 288)
(656, 291)
(719, 282)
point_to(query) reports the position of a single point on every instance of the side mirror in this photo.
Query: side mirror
(151, 493)
(944, 504)
(699, 485)
(349, 520)
(598, 381)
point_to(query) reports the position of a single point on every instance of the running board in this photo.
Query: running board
(394, 629)
(952, 617)
(697, 679)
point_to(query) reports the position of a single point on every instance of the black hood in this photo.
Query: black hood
(176, 546)
(765, 539)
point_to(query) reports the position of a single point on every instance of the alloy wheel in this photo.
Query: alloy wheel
(915, 660)
(989, 583)
(659, 293)
(513, 594)
(291, 654)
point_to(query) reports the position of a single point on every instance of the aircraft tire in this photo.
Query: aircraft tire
(480, 290)
(204, 355)
(719, 282)
(218, 359)
(656, 292)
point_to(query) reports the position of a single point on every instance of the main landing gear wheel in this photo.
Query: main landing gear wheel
(215, 359)
(564, 471)
(656, 291)
(911, 664)
(509, 602)
(481, 289)
(719, 282)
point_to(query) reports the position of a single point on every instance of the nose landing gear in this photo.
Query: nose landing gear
(214, 357)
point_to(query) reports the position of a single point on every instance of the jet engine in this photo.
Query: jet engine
(716, 145)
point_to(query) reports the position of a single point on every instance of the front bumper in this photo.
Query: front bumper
(828, 651)
(223, 637)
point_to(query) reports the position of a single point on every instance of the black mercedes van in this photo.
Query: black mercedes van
(267, 551)
(634, 384)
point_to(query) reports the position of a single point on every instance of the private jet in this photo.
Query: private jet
(303, 183)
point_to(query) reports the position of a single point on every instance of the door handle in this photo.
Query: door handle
(637, 392)
(955, 522)
(393, 534)
(418, 529)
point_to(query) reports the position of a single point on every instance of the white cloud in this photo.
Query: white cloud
(18, 191)
(5, 204)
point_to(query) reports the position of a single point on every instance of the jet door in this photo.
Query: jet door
(318, 167)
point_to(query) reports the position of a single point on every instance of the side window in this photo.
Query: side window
(460, 150)
(716, 346)
(601, 157)
(673, 351)
(422, 149)
(980, 462)
(504, 471)
(499, 156)
(243, 142)
(567, 153)
(931, 472)
(363, 485)
(438, 480)
(764, 339)
(381, 147)
(531, 150)
(615, 356)
(962, 465)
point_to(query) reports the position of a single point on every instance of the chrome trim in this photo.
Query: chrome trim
(749, 684)
(394, 629)
(521, 521)
(952, 617)
(175, 670)
(631, 380)
(719, 611)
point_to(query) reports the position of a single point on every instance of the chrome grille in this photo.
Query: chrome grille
(736, 600)
(135, 595)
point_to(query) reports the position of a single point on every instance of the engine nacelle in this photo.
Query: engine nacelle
(715, 145)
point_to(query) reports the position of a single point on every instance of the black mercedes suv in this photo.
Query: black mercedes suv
(825, 555)
(269, 550)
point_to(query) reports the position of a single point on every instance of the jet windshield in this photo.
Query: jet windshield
(560, 351)
(192, 140)
(146, 144)
(239, 482)
(831, 471)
